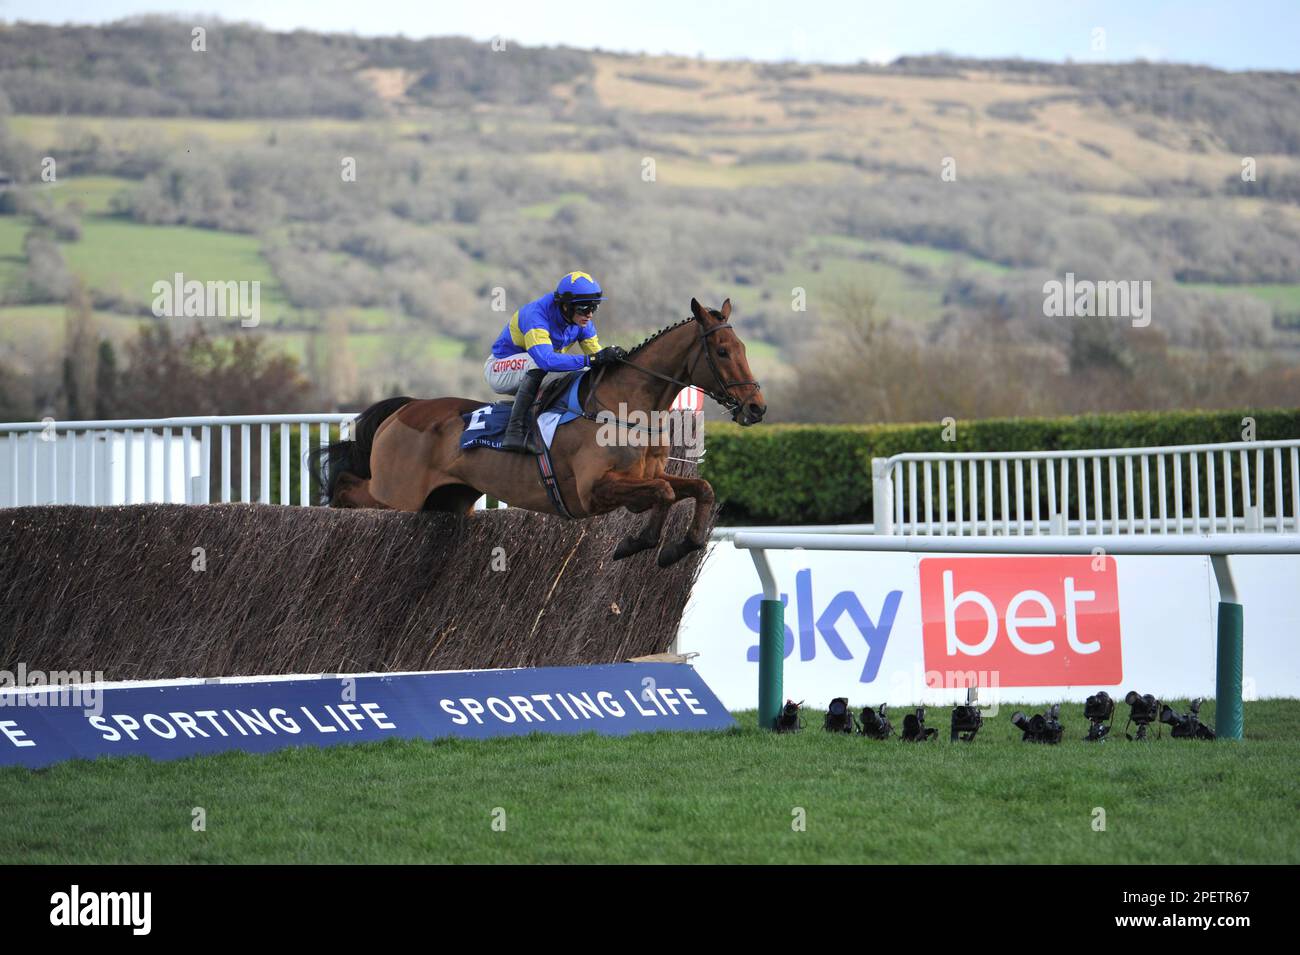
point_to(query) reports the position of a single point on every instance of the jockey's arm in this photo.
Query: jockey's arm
(589, 343)
(538, 343)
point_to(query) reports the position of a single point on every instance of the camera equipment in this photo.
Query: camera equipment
(966, 720)
(875, 723)
(788, 721)
(1143, 709)
(1039, 728)
(1098, 708)
(1186, 727)
(914, 730)
(838, 717)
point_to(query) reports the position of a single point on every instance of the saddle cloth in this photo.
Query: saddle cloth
(485, 426)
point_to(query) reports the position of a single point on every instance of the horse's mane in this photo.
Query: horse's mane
(663, 331)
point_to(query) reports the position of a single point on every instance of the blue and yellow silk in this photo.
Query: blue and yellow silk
(539, 329)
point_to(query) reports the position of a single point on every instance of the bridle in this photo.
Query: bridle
(724, 398)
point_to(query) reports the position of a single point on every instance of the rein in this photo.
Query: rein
(725, 398)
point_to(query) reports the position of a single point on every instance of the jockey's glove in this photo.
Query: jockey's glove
(607, 356)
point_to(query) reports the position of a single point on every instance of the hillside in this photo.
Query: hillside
(941, 192)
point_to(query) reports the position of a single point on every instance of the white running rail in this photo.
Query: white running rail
(1248, 486)
(161, 460)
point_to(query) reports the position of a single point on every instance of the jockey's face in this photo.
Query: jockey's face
(578, 314)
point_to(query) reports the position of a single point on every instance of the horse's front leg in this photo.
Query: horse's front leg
(637, 495)
(697, 536)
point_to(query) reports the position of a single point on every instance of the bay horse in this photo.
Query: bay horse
(406, 454)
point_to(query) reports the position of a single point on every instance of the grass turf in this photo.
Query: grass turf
(127, 258)
(709, 797)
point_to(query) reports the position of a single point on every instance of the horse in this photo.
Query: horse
(406, 452)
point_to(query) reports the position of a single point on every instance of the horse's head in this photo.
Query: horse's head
(726, 370)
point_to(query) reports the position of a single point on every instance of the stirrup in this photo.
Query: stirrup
(529, 444)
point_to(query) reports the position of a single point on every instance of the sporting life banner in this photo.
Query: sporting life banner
(40, 726)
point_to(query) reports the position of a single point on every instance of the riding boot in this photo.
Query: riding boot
(520, 434)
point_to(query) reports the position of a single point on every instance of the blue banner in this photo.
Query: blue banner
(168, 721)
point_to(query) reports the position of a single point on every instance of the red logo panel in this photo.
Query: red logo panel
(1034, 621)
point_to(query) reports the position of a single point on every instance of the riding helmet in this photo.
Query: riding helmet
(578, 287)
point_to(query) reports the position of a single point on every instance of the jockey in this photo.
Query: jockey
(533, 344)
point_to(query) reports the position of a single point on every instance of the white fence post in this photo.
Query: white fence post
(882, 492)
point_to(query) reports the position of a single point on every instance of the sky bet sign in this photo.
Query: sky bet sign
(1034, 621)
(906, 628)
(1021, 622)
(863, 636)
(168, 721)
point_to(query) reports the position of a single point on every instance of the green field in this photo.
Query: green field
(125, 258)
(898, 293)
(65, 132)
(710, 797)
(937, 260)
(42, 326)
(95, 193)
(368, 349)
(1283, 297)
(827, 264)
(12, 259)
(544, 210)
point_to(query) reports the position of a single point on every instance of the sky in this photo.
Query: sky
(1228, 34)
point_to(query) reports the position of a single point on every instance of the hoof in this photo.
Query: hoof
(629, 546)
(670, 554)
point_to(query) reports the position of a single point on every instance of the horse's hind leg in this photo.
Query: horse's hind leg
(637, 495)
(452, 499)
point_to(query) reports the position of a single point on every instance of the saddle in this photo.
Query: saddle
(553, 392)
(485, 426)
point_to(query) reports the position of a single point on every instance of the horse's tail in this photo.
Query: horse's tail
(330, 463)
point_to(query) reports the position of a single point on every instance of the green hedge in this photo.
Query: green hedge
(821, 474)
